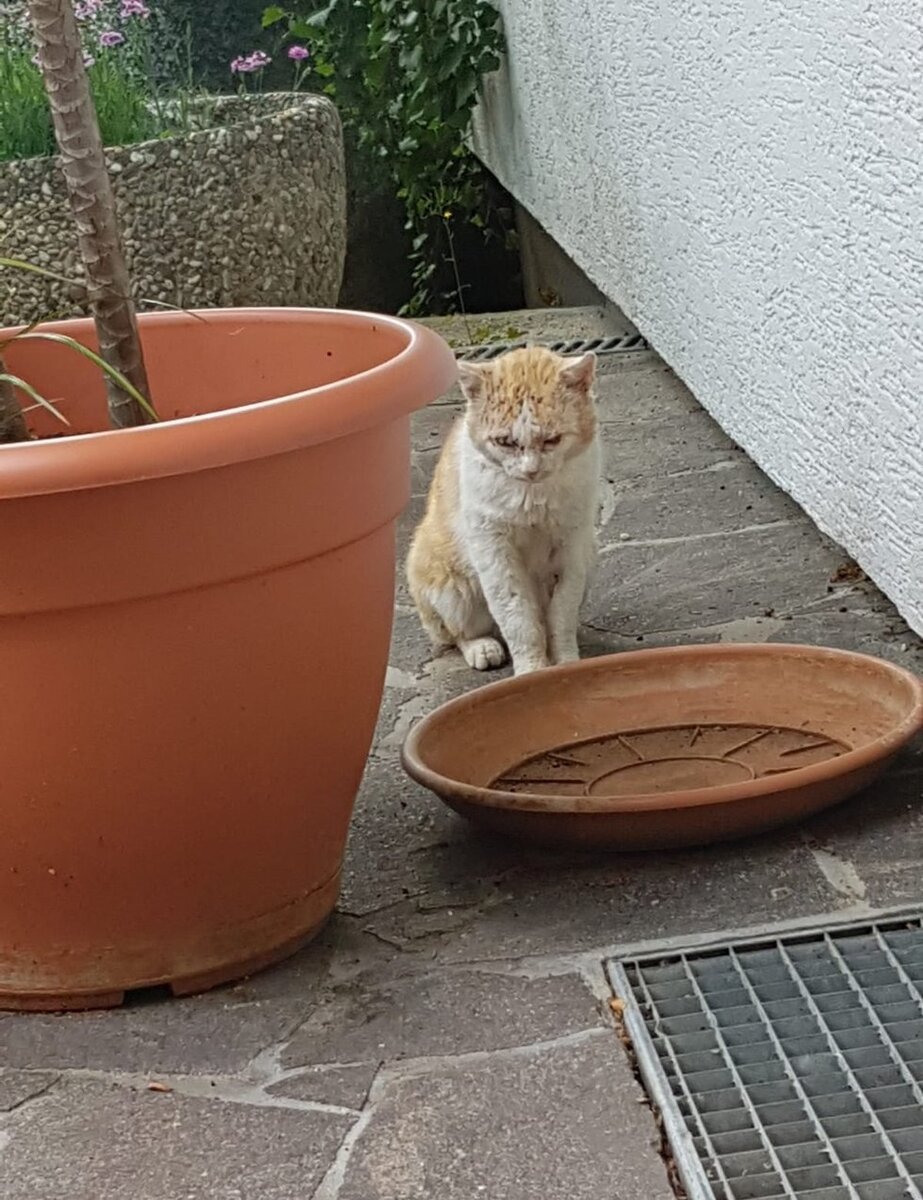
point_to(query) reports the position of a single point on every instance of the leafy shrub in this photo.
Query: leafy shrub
(406, 75)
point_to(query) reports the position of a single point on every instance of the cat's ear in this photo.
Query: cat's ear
(579, 373)
(471, 376)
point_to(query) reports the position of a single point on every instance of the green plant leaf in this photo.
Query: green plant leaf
(116, 376)
(319, 18)
(273, 15)
(411, 58)
(20, 264)
(40, 401)
(451, 62)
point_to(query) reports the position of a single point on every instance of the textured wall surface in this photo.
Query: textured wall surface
(252, 211)
(746, 180)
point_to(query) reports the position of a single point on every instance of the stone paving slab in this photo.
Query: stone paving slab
(221, 1031)
(448, 1033)
(440, 1013)
(551, 1122)
(706, 580)
(93, 1140)
(738, 501)
(879, 835)
(561, 903)
(347, 1087)
(16, 1087)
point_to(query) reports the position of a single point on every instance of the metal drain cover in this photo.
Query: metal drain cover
(789, 1066)
(631, 343)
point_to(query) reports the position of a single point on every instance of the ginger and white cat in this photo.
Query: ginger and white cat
(509, 535)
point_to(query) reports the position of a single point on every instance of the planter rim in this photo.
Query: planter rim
(423, 366)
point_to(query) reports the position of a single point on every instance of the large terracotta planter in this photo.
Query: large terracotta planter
(194, 630)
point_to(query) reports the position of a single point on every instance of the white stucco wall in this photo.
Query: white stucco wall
(745, 178)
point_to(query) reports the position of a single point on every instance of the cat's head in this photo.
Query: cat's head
(530, 410)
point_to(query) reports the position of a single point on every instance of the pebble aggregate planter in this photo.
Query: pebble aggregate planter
(250, 211)
(195, 619)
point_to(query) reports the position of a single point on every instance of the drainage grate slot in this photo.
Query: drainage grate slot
(631, 343)
(790, 1067)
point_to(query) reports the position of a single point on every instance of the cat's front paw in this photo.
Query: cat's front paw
(483, 654)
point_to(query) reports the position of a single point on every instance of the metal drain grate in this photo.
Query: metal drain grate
(611, 345)
(788, 1067)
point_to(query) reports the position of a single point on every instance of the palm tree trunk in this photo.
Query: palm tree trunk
(13, 426)
(84, 165)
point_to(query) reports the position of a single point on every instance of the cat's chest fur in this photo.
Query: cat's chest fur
(535, 518)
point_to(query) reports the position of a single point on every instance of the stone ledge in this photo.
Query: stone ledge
(250, 211)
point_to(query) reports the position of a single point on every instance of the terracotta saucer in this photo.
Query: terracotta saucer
(664, 748)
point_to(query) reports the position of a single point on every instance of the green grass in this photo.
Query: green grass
(25, 122)
(122, 107)
(128, 109)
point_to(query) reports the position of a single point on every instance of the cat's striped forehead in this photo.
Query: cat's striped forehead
(532, 391)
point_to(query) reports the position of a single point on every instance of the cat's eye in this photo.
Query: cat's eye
(552, 441)
(505, 443)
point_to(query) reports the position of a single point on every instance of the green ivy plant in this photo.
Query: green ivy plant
(406, 76)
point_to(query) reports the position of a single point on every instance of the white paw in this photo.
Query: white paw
(484, 654)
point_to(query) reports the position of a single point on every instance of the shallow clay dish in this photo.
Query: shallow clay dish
(662, 748)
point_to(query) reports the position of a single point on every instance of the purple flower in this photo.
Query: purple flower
(245, 64)
(88, 61)
(299, 53)
(110, 38)
(134, 8)
(87, 9)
